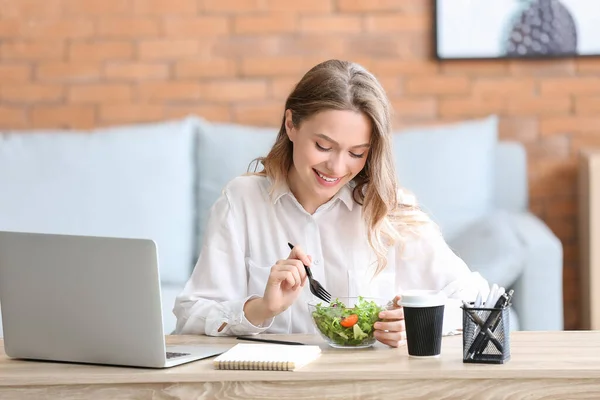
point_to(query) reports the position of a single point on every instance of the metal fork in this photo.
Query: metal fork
(315, 287)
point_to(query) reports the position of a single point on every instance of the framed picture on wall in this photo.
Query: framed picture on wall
(484, 29)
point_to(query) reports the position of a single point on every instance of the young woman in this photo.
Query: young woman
(328, 186)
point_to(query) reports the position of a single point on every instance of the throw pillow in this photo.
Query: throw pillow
(450, 169)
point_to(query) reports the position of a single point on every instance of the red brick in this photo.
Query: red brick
(590, 140)
(304, 6)
(78, 8)
(555, 147)
(165, 7)
(262, 114)
(542, 67)
(10, 28)
(588, 65)
(31, 93)
(472, 107)
(32, 50)
(571, 251)
(101, 50)
(550, 187)
(511, 87)
(563, 227)
(269, 23)
(15, 73)
(331, 24)
(163, 49)
(31, 9)
(233, 6)
(49, 29)
(233, 90)
(587, 105)
(131, 113)
(521, 105)
(536, 206)
(553, 178)
(397, 23)
(325, 45)
(221, 113)
(562, 207)
(198, 26)
(568, 124)
(403, 67)
(410, 6)
(278, 66)
(237, 46)
(550, 168)
(212, 68)
(571, 290)
(380, 46)
(136, 71)
(474, 68)
(100, 93)
(443, 85)
(415, 108)
(71, 116)
(280, 88)
(572, 306)
(566, 86)
(168, 91)
(419, 45)
(67, 71)
(12, 117)
(392, 86)
(121, 27)
(521, 129)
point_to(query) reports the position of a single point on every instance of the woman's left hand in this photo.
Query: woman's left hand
(392, 331)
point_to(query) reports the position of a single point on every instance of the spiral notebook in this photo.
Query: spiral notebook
(267, 357)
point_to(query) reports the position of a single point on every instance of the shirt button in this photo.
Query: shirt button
(317, 262)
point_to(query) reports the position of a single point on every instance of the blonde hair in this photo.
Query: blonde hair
(343, 85)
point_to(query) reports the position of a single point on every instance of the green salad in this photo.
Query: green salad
(347, 326)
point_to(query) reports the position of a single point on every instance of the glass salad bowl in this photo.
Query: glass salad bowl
(347, 322)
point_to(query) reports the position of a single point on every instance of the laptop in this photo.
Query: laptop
(86, 299)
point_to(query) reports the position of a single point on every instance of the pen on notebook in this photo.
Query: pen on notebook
(254, 339)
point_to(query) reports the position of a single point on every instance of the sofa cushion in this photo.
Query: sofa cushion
(128, 181)
(450, 168)
(491, 246)
(225, 151)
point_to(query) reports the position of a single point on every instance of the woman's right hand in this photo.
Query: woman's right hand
(286, 280)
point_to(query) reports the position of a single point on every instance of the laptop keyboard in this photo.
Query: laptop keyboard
(172, 354)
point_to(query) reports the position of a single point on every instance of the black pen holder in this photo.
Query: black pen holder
(486, 335)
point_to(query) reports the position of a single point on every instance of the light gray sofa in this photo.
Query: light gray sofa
(159, 180)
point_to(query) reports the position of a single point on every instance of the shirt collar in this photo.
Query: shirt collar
(345, 194)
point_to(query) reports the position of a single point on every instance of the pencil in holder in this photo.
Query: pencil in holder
(486, 334)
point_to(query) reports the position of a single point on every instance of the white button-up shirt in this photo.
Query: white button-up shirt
(249, 230)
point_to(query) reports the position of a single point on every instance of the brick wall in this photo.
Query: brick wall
(86, 63)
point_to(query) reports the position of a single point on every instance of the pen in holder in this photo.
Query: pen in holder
(486, 332)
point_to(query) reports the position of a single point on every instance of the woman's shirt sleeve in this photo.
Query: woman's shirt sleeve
(425, 261)
(213, 299)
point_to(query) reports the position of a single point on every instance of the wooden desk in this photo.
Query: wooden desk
(547, 365)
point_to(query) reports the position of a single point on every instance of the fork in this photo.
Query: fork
(315, 287)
